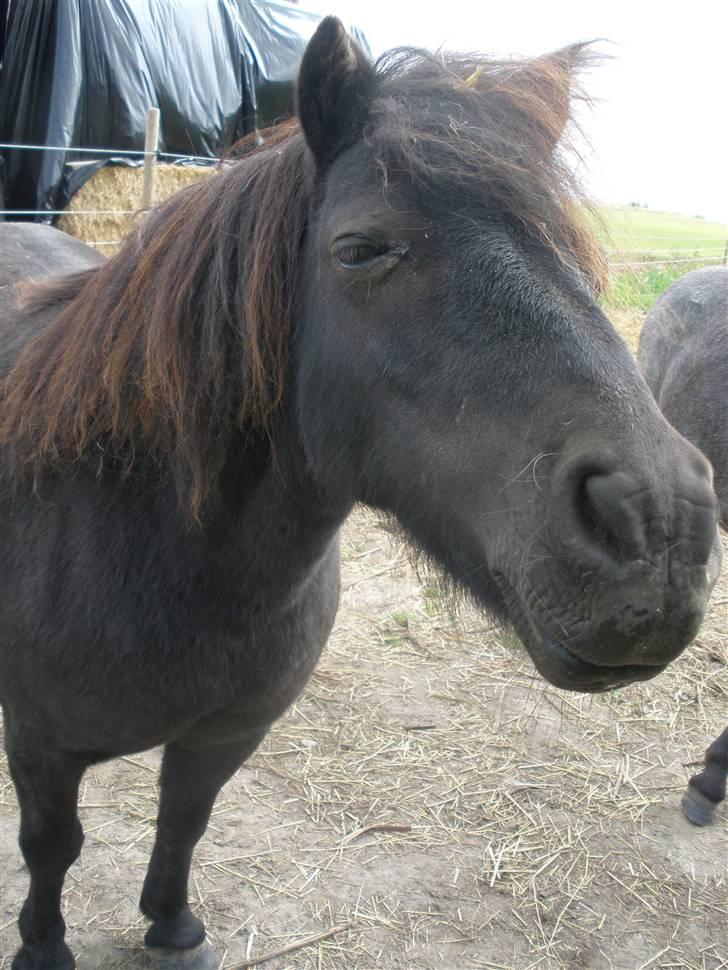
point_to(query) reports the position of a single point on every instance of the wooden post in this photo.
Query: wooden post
(151, 147)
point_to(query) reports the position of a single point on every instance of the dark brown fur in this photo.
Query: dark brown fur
(397, 304)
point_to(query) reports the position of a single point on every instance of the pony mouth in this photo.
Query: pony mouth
(565, 670)
(562, 668)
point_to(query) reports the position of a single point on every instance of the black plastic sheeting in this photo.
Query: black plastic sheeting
(83, 73)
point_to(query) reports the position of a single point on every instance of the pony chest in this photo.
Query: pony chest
(257, 653)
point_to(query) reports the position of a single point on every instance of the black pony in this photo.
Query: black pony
(393, 303)
(683, 353)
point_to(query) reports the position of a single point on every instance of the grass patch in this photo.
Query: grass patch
(649, 251)
(628, 228)
(637, 289)
(434, 603)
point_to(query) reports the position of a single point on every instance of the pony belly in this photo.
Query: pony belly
(240, 695)
(115, 695)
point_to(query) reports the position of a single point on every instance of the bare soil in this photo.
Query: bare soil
(435, 801)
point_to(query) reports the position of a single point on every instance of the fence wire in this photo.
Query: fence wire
(710, 248)
(68, 212)
(120, 152)
(656, 263)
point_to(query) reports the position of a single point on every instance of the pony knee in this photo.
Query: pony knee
(51, 846)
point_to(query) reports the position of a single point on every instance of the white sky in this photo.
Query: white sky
(660, 129)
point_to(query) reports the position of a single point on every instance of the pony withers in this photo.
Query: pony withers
(391, 301)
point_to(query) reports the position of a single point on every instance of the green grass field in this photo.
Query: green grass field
(649, 250)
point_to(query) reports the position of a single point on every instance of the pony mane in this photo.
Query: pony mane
(180, 340)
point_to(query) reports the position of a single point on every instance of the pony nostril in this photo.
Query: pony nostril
(594, 525)
(610, 513)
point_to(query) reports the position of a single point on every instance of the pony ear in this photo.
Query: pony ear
(541, 91)
(335, 85)
(556, 75)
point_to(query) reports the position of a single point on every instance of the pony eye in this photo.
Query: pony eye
(352, 253)
(357, 253)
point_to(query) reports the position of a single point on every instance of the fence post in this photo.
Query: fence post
(725, 253)
(151, 146)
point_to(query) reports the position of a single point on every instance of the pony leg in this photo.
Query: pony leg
(706, 790)
(190, 781)
(50, 839)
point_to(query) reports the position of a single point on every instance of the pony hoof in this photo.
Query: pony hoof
(58, 958)
(697, 808)
(200, 957)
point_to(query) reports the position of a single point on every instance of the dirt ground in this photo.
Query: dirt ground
(435, 803)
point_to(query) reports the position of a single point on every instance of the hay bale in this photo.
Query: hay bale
(117, 189)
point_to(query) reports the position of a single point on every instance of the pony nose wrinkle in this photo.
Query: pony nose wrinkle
(610, 516)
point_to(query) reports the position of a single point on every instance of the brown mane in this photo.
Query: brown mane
(181, 339)
(178, 339)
